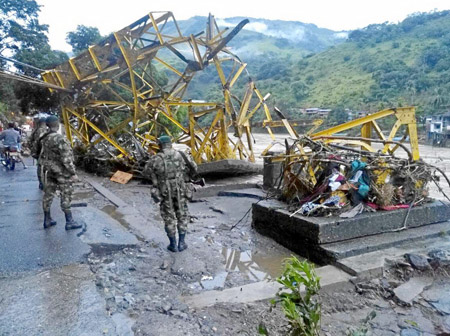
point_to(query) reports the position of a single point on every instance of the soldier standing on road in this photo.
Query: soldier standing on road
(167, 170)
(35, 137)
(58, 172)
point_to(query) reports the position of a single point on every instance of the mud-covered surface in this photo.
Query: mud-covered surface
(148, 287)
(147, 283)
(139, 290)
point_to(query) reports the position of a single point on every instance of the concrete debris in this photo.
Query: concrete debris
(439, 257)
(407, 292)
(417, 261)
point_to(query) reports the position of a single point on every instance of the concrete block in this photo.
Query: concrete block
(333, 229)
(229, 167)
(330, 277)
(325, 240)
(408, 291)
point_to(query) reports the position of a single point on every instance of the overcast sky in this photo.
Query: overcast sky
(112, 15)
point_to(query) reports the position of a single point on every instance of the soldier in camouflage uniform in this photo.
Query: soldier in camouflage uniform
(58, 171)
(167, 170)
(35, 137)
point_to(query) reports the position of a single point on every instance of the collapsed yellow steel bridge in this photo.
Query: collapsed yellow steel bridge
(132, 86)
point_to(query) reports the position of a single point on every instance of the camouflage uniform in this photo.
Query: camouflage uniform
(33, 141)
(167, 170)
(56, 159)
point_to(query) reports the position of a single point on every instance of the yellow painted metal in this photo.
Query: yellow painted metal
(405, 117)
(299, 159)
(126, 85)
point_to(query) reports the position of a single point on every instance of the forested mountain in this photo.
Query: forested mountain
(261, 36)
(382, 65)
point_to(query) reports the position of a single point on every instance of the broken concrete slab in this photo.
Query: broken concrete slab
(370, 265)
(330, 278)
(408, 291)
(117, 201)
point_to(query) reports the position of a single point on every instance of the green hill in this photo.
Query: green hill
(383, 65)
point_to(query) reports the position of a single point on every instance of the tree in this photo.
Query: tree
(19, 26)
(31, 97)
(19, 30)
(83, 37)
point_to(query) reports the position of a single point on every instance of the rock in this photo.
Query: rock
(410, 332)
(166, 307)
(439, 257)
(178, 313)
(394, 283)
(442, 304)
(182, 307)
(164, 265)
(385, 283)
(129, 298)
(418, 261)
(407, 292)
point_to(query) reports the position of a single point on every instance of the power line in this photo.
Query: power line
(30, 80)
(21, 63)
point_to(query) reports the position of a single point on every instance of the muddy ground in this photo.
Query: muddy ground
(147, 282)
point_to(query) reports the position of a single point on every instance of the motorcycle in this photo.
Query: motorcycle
(10, 157)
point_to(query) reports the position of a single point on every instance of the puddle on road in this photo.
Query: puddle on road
(254, 265)
(257, 265)
(111, 210)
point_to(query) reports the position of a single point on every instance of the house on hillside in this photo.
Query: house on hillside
(316, 112)
(438, 129)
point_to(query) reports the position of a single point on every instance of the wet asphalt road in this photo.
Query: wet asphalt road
(24, 244)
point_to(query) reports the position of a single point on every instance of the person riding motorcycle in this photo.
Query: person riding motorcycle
(11, 138)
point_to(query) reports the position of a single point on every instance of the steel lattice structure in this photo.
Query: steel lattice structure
(142, 73)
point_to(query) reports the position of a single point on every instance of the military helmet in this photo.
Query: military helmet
(164, 139)
(52, 120)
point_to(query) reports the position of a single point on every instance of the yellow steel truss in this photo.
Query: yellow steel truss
(302, 169)
(135, 81)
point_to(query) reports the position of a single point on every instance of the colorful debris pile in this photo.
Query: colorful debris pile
(322, 179)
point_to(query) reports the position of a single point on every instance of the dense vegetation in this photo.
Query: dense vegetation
(383, 65)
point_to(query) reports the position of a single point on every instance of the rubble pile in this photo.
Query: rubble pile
(322, 179)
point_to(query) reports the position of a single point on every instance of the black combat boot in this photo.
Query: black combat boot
(70, 223)
(181, 244)
(173, 244)
(48, 221)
